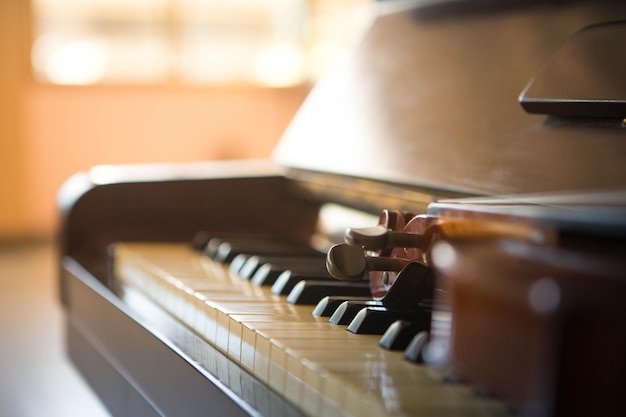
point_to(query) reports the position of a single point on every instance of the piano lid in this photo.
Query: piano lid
(429, 99)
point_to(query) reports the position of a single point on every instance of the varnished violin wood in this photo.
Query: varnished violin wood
(541, 327)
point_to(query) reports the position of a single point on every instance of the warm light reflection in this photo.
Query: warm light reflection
(276, 43)
(280, 66)
(544, 296)
(77, 62)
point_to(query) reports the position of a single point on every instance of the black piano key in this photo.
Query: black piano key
(349, 309)
(414, 350)
(399, 334)
(200, 240)
(252, 264)
(288, 280)
(266, 275)
(213, 243)
(376, 320)
(327, 305)
(313, 264)
(238, 262)
(311, 292)
(227, 250)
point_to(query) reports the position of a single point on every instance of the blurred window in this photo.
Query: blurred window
(270, 43)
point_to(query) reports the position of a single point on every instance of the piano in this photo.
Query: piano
(485, 138)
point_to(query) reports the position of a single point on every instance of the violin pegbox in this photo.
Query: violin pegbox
(380, 252)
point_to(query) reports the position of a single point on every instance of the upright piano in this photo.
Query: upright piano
(462, 172)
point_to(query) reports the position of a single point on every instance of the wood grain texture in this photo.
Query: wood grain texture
(430, 99)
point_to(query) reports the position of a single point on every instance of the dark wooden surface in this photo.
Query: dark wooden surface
(430, 99)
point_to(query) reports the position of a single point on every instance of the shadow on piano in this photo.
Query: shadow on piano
(520, 316)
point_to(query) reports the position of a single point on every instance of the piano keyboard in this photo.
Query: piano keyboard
(319, 367)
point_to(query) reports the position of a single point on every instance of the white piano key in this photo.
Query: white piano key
(319, 367)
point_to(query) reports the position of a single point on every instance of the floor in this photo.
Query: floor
(36, 377)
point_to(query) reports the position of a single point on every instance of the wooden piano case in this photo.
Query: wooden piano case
(115, 348)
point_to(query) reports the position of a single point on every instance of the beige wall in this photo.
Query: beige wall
(69, 129)
(47, 132)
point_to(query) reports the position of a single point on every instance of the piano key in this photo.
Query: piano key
(409, 393)
(214, 242)
(415, 348)
(294, 384)
(288, 279)
(223, 324)
(375, 320)
(348, 310)
(279, 340)
(309, 264)
(321, 368)
(242, 330)
(307, 345)
(305, 340)
(399, 334)
(327, 305)
(347, 362)
(296, 350)
(311, 292)
(227, 250)
(249, 324)
(238, 262)
(200, 239)
(266, 275)
(276, 341)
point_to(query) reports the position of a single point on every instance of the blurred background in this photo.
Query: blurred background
(88, 82)
(112, 81)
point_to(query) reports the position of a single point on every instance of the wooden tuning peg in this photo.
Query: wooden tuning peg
(349, 262)
(381, 238)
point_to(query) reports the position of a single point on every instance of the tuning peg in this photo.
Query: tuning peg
(379, 237)
(392, 219)
(349, 262)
